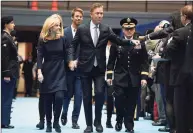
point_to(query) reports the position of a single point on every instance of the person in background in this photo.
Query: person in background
(109, 89)
(178, 50)
(73, 77)
(27, 73)
(9, 69)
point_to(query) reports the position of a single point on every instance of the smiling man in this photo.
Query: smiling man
(93, 38)
(73, 77)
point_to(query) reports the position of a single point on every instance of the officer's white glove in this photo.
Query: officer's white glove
(109, 82)
(40, 77)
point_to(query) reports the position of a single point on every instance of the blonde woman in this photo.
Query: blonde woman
(52, 55)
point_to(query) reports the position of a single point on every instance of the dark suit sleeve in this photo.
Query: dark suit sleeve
(145, 63)
(5, 59)
(118, 40)
(40, 54)
(111, 61)
(68, 49)
(160, 34)
(73, 45)
(173, 46)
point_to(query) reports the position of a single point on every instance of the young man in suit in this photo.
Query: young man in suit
(9, 69)
(130, 73)
(73, 77)
(93, 38)
(181, 72)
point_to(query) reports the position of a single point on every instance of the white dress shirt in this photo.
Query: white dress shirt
(73, 31)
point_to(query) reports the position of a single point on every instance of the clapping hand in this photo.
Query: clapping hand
(137, 44)
(75, 63)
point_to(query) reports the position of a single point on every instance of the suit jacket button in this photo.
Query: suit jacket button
(128, 61)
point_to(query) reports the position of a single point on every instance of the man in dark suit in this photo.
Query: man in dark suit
(93, 38)
(179, 50)
(9, 69)
(130, 72)
(73, 77)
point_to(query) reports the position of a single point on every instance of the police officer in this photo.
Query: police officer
(130, 72)
(9, 70)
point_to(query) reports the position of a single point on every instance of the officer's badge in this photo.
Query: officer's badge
(128, 20)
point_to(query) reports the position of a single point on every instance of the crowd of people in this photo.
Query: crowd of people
(131, 73)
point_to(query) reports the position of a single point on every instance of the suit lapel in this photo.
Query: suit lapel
(87, 29)
(69, 33)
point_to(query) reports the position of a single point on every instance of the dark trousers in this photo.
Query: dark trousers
(15, 89)
(41, 107)
(125, 103)
(167, 93)
(28, 85)
(110, 101)
(55, 99)
(183, 106)
(99, 86)
(7, 89)
(77, 92)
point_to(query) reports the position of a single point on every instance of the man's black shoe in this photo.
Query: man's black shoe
(88, 129)
(7, 126)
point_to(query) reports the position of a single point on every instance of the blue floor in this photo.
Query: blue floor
(25, 116)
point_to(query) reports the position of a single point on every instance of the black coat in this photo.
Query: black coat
(160, 34)
(175, 51)
(9, 59)
(187, 67)
(129, 65)
(87, 49)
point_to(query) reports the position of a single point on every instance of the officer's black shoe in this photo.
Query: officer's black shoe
(49, 128)
(129, 130)
(88, 129)
(108, 124)
(57, 127)
(99, 127)
(40, 125)
(118, 126)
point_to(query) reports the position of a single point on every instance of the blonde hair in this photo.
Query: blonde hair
(48, 24)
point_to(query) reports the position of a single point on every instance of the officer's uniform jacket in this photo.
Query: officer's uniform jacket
(129, 65)
(9, 56)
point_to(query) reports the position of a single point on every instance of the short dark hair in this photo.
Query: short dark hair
(176, 20)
